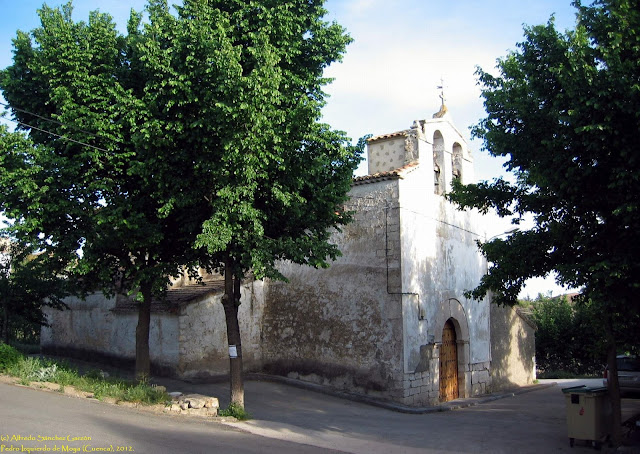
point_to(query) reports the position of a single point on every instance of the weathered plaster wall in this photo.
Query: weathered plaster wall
(386, 154)
(440, 262)
(372, 322)
(191, 344)
(513, 349)
(341, 326)
(408, 259)
(203, 346)
(91, 325)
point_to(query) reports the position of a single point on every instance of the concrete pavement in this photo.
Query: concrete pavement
(530, 420)
(527, 422)
(32, 421)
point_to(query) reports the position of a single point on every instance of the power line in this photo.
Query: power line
(51, 120)
(59, 136)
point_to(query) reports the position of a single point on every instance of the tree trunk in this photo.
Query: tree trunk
(230, 302)
(614, 390)
(143, 361)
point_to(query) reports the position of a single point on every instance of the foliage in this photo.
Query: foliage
(193, 141)
(9, 356)
(27, 348)
(28, 283)
(568, 340)
(564, 112)
(235, 411)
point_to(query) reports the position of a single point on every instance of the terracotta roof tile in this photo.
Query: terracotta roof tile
(388, 175)
(389, 135)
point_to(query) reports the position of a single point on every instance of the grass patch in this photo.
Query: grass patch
(236, 411)
(29, 369)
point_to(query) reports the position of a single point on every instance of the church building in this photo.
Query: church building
(388, 318)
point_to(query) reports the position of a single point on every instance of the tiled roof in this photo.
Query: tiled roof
(389, 135)
(388, 175)
(177, 296)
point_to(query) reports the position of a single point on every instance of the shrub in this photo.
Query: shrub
(9, 356)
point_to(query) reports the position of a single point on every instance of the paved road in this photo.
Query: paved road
(30, 413)
(288, 419)
(534, 422)
(529, 423)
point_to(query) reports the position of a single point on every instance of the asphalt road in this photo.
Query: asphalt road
(288, 419)
(37, 421)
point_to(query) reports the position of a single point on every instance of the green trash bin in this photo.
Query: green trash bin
(588, 414)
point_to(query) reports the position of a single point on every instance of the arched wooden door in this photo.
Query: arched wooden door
(448, 363)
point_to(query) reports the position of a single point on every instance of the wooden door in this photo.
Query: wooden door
(448, 363)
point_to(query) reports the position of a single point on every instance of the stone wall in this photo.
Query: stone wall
(342, 326)
(189, 342)
(512, 349)
(422, 387)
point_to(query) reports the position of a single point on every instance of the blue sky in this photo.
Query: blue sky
(389, 75)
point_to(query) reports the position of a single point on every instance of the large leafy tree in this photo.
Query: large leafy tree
(78, 180)
(276, 177)
(196, 141)
(564, 109)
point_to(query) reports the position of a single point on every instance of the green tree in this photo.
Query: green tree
(77, 181)
(564, 111)
(568, 337)
(241, 85)
(197, 141)
(26, 286)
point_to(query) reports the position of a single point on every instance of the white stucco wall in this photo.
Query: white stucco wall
(91, 325)
(191, 343)
(513, 360)
(440, 257)
(203, 342)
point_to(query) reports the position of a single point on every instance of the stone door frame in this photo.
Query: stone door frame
(452, 309)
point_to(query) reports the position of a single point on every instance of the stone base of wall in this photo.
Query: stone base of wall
(423, 388)
(480, 378)
(334, 376)
(420, 389)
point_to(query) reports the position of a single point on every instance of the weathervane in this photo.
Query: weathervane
(441, 88)
(443, 109)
